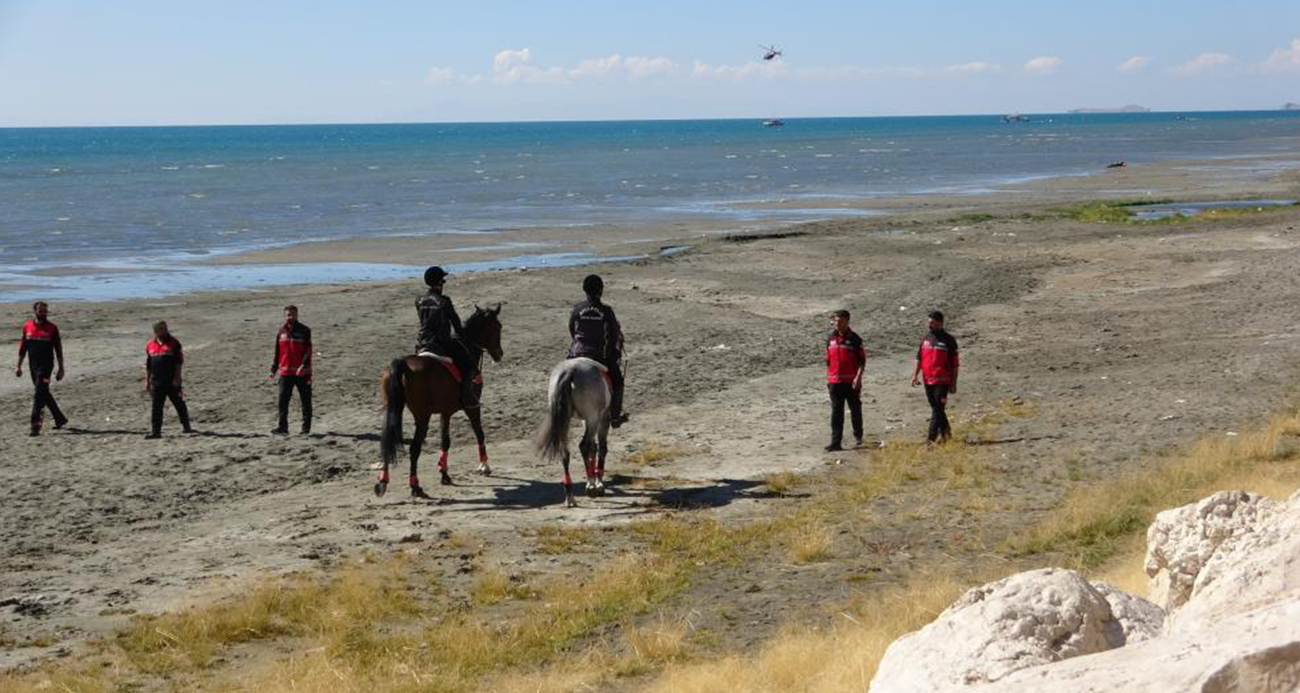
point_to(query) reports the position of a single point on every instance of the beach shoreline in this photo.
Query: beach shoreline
(387, 257)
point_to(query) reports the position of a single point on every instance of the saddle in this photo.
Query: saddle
(448, 363)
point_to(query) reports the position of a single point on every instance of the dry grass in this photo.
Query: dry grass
(555, 540)
(652, 453)
(493, 587)
(781, 483)
(1092, 524)
(808, 541)
(830, 660)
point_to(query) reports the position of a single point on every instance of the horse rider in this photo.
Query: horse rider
(438, 319)
(597, 335)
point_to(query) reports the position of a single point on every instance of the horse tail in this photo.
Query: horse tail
(553, 437)
(395, 402)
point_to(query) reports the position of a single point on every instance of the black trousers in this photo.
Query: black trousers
(161, 394)
(287, 385)
(43, 399)
(937, 395)
(841, 394)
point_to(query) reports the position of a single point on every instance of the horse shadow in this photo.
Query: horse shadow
(624, 495)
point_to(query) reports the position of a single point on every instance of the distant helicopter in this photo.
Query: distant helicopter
(770, 52)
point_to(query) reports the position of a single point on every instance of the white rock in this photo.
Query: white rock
(1252, 569)
(1026, 620)
(1138, 618)
(1182, 541)
(1255, 652)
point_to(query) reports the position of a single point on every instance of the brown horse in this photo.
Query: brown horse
(427, 387)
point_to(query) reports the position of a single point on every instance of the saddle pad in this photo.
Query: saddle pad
(446, 362)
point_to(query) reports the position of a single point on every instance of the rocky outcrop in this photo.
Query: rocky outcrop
(1182, 541)
(1026, 620)
(1227, 568)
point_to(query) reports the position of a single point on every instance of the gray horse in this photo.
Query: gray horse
(578, 385)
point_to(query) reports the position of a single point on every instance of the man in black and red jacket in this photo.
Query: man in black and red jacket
(41, 344)
(846, 359)
(292, 362)
(937, 363)
(162, 376)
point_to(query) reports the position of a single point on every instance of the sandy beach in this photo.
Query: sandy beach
(1122, 339)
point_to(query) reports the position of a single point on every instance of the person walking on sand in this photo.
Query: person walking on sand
(162, 377)
(597, 335)
(292, 362)
(846, 359)
(41, 344)
(937, 363)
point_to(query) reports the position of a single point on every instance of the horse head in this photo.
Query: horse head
(483, 329)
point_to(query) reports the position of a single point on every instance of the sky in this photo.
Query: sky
(155, 62)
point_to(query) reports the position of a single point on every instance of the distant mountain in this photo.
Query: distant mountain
(1291, 107)
(1123, 109)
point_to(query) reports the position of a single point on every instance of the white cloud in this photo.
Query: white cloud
(1203, 63)
(440, 75)
(638, 66)
(1285, 58)
(1134, 64)
(972, 68)
(1042, 65)
(511, 66)
(738, 72)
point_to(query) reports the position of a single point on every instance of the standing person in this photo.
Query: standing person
(42, 344)
(846, 359)
(162, 376)
(438, 319)
(292, 362)
(937, 363)
(597, 335)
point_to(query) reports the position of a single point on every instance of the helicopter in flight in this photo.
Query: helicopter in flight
(770, 52)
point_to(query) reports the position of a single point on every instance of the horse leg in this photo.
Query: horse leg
(417, 442)
(602, 445)
(588, 448)
(568, 484)
(446, 445)
(476, 422)
(381, 486)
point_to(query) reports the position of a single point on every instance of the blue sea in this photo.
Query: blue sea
(167, 198)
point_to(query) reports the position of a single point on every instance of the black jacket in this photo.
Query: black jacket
(595, 331)
(438, 319)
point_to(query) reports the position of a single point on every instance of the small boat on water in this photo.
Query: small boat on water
(1015, 118)
(774, 123)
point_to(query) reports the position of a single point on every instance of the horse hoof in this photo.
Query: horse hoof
(599, 491)
(591, 491)
(484, 470)
(381, 487)
(418, 492)
(570, 503)
(446, 479)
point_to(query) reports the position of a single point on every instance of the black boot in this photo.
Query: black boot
(616, 416)
(468, 391)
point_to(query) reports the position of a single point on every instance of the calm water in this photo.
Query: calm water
(159, 196)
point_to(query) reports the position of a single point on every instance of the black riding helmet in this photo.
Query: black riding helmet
(593, 284)
(434, 275)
